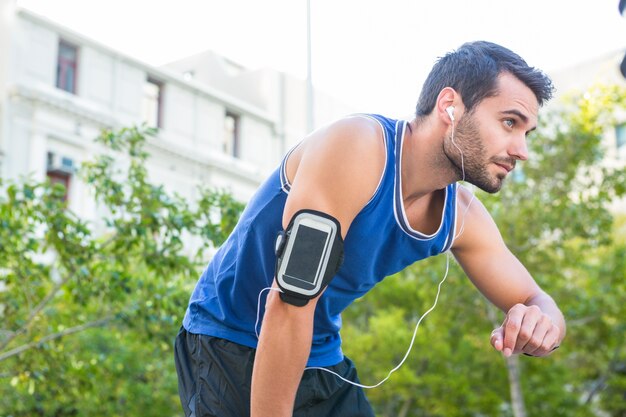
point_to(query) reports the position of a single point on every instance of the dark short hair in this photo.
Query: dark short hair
(473, 70)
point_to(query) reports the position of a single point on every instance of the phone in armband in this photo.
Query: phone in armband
(308, 253)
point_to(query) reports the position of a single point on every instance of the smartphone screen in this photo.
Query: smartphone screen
(306, 254)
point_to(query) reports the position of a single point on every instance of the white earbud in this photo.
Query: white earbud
(450, 111)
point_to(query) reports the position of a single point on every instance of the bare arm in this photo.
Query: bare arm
(328, 175)
(533, 324)
(282, 352)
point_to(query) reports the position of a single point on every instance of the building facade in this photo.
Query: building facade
(219, 124)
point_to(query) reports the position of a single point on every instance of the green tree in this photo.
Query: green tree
(554, 216)
(563, 204)
(89, 310)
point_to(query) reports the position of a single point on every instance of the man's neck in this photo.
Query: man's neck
(425, 167)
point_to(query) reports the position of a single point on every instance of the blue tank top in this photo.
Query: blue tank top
(379, 243)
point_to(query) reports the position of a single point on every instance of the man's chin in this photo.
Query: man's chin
(492, 187)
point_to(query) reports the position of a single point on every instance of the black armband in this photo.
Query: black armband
(308, 254)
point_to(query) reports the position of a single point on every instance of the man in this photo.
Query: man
(386, 190)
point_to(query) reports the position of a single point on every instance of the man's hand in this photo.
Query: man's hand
(526, 329)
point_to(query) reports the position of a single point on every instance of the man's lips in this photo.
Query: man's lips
(507, 168)
(505, 165)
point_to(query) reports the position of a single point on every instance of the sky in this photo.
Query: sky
(370, 54)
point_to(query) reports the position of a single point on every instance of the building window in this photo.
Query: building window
(67, 66)
(231, 134)
(152, 102)
(59, 171)
(620, 135)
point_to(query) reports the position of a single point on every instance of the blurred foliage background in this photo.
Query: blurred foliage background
(88, 312)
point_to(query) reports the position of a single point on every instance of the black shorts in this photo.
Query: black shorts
(214, 378)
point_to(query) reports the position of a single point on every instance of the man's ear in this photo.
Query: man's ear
(449, 105)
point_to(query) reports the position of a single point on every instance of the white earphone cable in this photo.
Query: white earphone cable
(406, 355)
(462, 179)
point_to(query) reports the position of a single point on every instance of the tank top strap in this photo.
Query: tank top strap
(389, 128)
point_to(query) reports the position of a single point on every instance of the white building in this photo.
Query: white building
(219, 124)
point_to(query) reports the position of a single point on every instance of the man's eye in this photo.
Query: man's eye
(509, 123)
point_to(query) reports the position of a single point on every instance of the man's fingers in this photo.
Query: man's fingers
(512, 325)
(537, 340)
(534, 327)
(526, 329)
(548, 344)
(497, 338)
(511, 330)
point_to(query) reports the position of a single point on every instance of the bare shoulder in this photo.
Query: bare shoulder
(352, 149)
(337, 168)
(347, 138)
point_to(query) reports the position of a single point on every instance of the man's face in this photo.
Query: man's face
(489, 140)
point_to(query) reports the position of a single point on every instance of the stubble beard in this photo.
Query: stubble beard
(472, 166)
